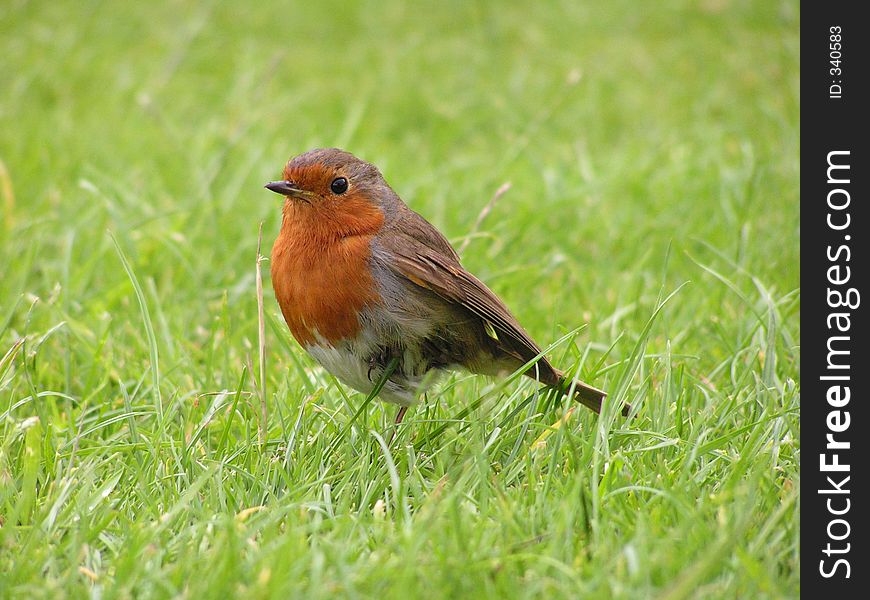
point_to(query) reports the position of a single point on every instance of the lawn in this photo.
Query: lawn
(649, 239)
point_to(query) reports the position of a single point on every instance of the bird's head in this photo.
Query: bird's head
(335, 192)
(329, 176)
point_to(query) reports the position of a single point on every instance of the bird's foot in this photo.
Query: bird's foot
(378, 361)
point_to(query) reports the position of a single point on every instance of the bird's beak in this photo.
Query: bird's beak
(286, 188)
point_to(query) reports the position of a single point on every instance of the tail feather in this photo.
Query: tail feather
(584, 393)
(587, 395)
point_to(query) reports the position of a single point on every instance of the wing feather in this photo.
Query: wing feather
(421, 255)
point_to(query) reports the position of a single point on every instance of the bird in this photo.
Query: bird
(364, 283)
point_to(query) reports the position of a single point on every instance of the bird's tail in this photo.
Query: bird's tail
(587, 395)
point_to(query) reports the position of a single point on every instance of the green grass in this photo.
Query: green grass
(652, 154)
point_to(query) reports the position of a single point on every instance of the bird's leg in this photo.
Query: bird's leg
(399, 416)
(378, 360)
(372, 364)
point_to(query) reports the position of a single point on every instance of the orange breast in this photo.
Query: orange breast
(320, 270)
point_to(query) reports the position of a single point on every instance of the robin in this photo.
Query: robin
(365, 282)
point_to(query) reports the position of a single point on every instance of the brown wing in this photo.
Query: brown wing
(422, 255)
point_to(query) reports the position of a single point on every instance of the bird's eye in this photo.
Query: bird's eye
(338, 185)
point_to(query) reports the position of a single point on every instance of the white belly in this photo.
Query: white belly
(355, 372)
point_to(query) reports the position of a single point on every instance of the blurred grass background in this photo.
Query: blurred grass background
(647, 146)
